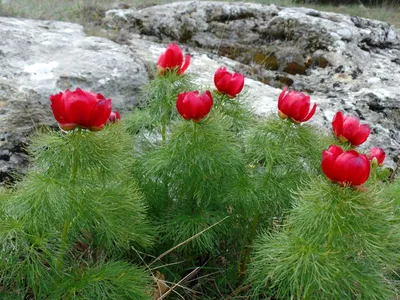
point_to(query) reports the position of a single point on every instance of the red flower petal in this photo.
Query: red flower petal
(162, 61)
(345, 167)
(353, 168)
(185, 65)
(207, 101)
(328, 163)
(361, 135)
(237, 84)
(182, 105)
(337, 124)
(80, 108)
(176, 55)
(172, 57)
(191, 105)
(285, 105)
(295, 105)
(310, 114)
(219, 73)
(230, 84)
(197, 108)
(298, 106)
(350, 127)
(222, 82)
(281, 98)
(378, 154)
(100, 113)
(57, 105)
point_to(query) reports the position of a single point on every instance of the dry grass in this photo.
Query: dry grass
(90, 12)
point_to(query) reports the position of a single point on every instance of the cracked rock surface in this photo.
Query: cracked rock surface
(40, 58)
(346, 63)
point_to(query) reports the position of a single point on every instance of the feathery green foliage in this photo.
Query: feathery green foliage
(73, 216)
(338, 243)
(157, 108)
(194, 169)
(281, 154)
(236, 111)
(229, 164)
(109, 280)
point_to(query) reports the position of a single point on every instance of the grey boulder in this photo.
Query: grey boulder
(345, 63)
(40, 58)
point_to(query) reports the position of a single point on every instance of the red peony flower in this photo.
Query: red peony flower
(228, 83)
(349, 129)
(172, 59)
(80, 108)
(295, 105)
(377, 156)
(114, 117)
(347, 167)
(191, 105)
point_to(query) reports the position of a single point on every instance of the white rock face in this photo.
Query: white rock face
(40, 58)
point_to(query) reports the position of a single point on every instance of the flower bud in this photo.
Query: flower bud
(377, 156)
(172, 59)
(345, 168)
(114, 117)
(228, 83)
(80, 108)
(295, 105)
(349, 129)
(191, 105)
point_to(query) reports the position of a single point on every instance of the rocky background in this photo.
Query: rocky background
(345, 63)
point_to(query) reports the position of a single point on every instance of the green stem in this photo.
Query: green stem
(246, 256)
(164, 120)
(334, 227)
(163, 131)
(331, 235)
(268, 174)
(64, 240)
(286, 128)
(193, 193)
(67, 221)
(374, 171)
(195, 132)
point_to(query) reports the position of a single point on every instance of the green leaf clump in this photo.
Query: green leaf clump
(338, 243)
(67, 226)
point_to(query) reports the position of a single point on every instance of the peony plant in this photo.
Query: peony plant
(67, 228)
(158, 109)
(191, 195)
(349, 129)
(193, 106)
(345, 167)
(228, 83)
(229, 100)
(339, 239)
(296, 106)
(81, 109)
(172, 60)
(377, 156)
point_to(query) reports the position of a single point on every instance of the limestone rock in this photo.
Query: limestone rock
(290, 40)
(346, 63)
(40, 58)
(376, 105)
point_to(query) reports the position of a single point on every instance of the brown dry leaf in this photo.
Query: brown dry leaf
(161, 287)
